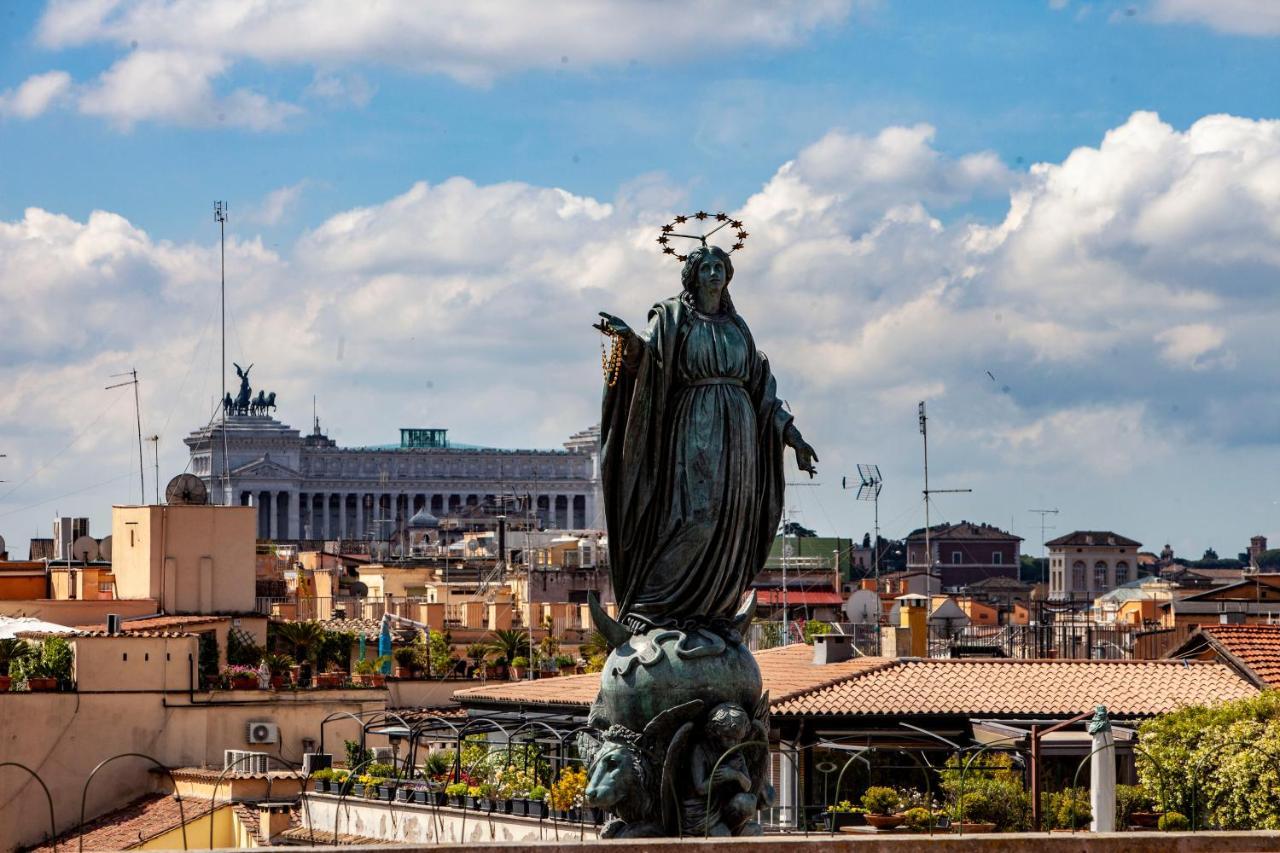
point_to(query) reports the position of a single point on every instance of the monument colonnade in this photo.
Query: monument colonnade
(347, 514)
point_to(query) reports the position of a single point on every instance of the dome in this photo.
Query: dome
(423, 520)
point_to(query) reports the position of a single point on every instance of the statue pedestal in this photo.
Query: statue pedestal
(682, 736)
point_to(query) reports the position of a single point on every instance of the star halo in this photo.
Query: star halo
(669, 231)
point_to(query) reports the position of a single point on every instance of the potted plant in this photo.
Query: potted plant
(486, 797)
(536, 804)
(1136, 807)
(564, 664)
(278, 666)
(842, 814)
(519, 667)
(406, 661)
(321, 779)
(364, 672)
(473, 797)
(240, 677)
(919, 819)
(46, 667)
(567, 794)
(882, 805)
(1173, 822)
(11, 650)
(456, 794)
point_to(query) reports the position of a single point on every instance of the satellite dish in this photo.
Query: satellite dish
(85, 549)
(104, 549)
(863, 608)
(186, 490)
(1, 544)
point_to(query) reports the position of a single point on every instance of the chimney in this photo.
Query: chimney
(273, 819)
(832, 648)
(113, 623)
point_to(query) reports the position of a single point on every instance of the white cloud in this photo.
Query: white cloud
(341, 89)
(277, 204)
(1195, 346)
(176, 86)
(35, 95)
(1111, 316)
(1237, 17)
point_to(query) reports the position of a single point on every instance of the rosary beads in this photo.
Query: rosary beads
(611, 362)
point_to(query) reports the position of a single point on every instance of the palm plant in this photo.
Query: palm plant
(304, 638)
(12, 649)
(509, 642)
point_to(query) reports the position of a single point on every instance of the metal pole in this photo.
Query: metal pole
(928, 548)
(875, 554)
(155, 440)
(137, 413)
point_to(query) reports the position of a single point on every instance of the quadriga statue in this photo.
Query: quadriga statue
(693, 437)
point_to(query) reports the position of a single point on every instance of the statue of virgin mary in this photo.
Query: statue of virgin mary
(693, 436)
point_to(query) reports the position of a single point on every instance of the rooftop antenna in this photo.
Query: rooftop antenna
(928, 546)
(220, 216)
(155, 440)
(786, 523)
(869, 490)
(137, 413)
(1044, 554)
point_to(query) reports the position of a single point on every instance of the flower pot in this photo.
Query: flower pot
(575, 815)
(519, 806)
(518, 672)
(504, 806)
(277, 682)
(404, 672)
(536, 808)
(360, 679)
(377, 680)
(5, 683)
(46, 684)
(321, 786)
(1145, 819)
(484, 804)
(387, 792)
(243, 682)
(456, 802)
(357, 789)
(968, 827)
(886, 821)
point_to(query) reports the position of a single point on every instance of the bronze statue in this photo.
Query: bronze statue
(692, 442)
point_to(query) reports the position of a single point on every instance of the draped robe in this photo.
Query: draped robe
(692, 467)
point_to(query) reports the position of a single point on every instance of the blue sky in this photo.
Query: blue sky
(396, 222)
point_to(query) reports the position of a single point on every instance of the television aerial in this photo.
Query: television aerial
(186, 490)
(870, 483)
(85, 549)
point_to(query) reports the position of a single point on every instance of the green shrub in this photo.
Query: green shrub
(1218, 754)
(881, 801)
(845, 807)
(919, 819)
(381, 769)
(814, 627)
(456, 789)
(356, 755)
(520, 661)
(1073, 809)
(1173, 822)
(438, 763)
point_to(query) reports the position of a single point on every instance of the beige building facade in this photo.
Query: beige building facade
(1087, 563)
(190, 559)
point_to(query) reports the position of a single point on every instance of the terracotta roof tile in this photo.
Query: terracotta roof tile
(1024, 687)
(786, 671)
(131, 825)
(1257, 647)
(81, 632)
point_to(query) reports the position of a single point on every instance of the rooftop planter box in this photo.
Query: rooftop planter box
(5, 683)
(42, 684)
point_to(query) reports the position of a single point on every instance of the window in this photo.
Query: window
(956, 557)
(996, 558)
(1078, 569)
(1100, 575)
(1122, 572)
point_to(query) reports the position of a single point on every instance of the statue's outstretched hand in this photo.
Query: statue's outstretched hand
(616, 325)
(805, 457)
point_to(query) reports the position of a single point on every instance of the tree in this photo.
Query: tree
(866, 540)
(795, 528)
(440, 653)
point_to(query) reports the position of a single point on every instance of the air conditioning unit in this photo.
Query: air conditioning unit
(244, 761)
(384, 754)
(263, 732)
